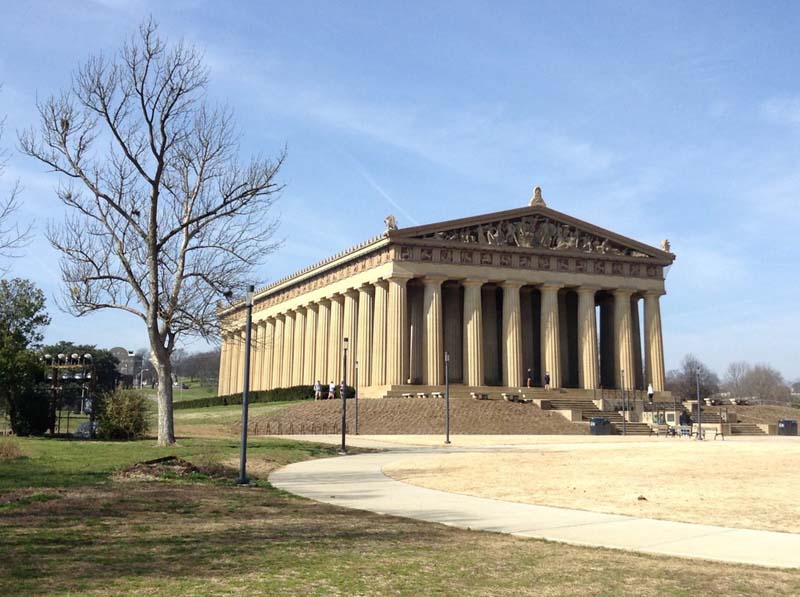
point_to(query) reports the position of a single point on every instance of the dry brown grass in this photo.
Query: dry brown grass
(9, 449)
(746, 484)
(418, 416)
(168, 538)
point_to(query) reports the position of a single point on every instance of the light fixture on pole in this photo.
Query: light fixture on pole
(243, 480)
(447, 397)
(345, 344)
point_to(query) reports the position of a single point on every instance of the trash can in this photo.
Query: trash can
(599, 426)
(787, 427)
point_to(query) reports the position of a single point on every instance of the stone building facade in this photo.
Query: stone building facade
(503, 293)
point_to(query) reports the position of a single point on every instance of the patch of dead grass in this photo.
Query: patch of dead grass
(189, 538)
(733, 483)
(9, 449)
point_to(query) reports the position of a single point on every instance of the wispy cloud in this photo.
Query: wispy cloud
(782, 110)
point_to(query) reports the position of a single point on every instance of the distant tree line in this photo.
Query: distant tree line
(759, 383)
(200, 366)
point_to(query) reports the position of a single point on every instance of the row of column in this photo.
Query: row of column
(305, 344)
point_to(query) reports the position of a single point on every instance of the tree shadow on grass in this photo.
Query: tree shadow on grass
(91, 536)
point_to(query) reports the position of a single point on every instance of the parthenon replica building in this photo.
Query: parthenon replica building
(501, 294)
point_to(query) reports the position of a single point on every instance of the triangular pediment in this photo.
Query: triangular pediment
(536, 228)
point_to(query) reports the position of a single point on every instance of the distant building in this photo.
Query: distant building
(129, 366)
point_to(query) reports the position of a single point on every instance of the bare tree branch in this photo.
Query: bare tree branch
(13, 237)
(164, 221)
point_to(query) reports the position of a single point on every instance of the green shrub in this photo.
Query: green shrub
(122, 415)
(30, 412)
(274, 395)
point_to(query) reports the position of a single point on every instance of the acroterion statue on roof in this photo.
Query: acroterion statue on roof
(536, 198)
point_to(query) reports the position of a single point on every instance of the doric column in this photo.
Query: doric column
(335, 339)
(397, 332)
(364, 341)
(277, 352)
(323, 332)
(299, 347)
(473, 333)
(379, 333)
(288, 350)
(587, 339)
(238, 380)
(432, 335)
(350, 331)
(654, 351)
(224, 360)
(512, 335)
(310, 346)
(255, 357)
(266, 369)
(234, 365)
(625, 373)
(551, 339)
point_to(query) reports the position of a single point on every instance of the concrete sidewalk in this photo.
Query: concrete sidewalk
(358, 482)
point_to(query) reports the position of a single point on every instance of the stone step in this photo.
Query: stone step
(746, 429)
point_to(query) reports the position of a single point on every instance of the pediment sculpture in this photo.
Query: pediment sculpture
(536, 232)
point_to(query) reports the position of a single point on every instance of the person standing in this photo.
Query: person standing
(317, 391)
(331, 391)
(650, 392)
(546, 380)
(529, 380)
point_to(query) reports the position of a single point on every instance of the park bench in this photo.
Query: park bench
(510, 397)
(408, 395)
(479, 395)
(437, 395)
(422, 394)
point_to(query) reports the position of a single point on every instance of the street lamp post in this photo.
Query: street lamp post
(355, 385)
(345, 343)
(243, 480)
(699, 410)
(447, 397)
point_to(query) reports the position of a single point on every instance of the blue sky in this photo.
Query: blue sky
(654, 119)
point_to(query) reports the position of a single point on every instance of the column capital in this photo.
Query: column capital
(434, 279)
(351, 292)
(512, 284)
(653, 293)
(588, 289)
(399, 277)
(473, 282)
(551, 286)
(624, 291)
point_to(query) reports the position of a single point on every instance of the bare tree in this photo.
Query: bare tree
(734, 377)
(163, 220)
(12, 236)
(766, 385)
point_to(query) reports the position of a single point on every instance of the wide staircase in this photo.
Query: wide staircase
(589, 410)
(746, 429)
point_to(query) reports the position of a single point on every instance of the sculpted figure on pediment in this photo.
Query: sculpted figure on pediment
(538, 231)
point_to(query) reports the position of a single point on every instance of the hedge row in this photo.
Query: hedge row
(274, 395)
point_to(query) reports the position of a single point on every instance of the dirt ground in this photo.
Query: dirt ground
(745, 484)
(416, 416)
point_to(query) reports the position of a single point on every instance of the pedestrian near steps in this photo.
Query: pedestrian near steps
(650, 392)
(529, 380)
(317, 391)
(331, 391)
(546, 380)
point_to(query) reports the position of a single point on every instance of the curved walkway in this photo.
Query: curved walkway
(358, 482)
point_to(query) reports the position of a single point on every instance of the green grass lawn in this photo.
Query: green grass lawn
(69, 523)
(195, 390)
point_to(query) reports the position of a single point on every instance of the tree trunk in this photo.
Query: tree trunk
(166, 427)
